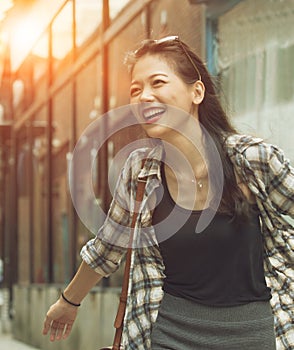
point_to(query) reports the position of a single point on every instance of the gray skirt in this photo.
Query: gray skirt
(185, 325)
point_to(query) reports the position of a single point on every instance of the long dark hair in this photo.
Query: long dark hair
(212, 116)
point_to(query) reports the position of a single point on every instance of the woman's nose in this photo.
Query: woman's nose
(147, 95)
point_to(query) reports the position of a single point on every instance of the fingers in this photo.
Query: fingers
(60, 331)
(67, 331)
(57, 330)
(46, 326)
(54, 330)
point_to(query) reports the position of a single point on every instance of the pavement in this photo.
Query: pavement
(8, 343)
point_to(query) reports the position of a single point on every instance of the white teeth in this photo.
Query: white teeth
(152, 112)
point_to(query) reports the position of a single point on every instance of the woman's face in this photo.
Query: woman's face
(155, 85)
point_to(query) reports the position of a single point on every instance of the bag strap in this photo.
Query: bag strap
(118, 323)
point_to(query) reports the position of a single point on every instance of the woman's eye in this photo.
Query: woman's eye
(158, 82)
(134, 92)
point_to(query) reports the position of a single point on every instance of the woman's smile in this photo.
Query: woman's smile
(153, 114)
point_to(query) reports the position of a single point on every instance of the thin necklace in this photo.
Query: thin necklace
(198, 183)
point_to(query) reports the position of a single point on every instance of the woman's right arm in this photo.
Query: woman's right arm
(61, 315)
(101, 256)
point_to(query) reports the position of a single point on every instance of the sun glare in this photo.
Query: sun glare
(22, 40)
(28, 28)
(5, 5)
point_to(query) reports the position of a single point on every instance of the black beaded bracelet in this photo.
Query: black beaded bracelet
(68, 301)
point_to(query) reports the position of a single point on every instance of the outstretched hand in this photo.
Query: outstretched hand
(59, 320)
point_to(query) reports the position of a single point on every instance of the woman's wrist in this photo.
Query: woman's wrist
(68, 301)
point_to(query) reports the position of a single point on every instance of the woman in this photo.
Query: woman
(226, 285)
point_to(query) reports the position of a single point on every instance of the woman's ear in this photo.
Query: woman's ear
(198, 92)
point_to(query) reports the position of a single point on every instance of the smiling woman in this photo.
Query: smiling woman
(213, 287)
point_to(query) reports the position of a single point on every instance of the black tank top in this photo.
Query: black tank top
(221, 266)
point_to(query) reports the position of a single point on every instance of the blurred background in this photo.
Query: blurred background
(61, 68)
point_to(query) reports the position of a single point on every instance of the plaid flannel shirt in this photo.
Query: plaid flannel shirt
(270, 178)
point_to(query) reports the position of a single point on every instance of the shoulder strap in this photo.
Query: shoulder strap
(118, 323)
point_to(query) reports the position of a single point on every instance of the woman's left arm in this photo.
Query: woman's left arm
(281, 181)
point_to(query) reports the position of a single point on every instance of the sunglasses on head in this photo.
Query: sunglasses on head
(177, 39)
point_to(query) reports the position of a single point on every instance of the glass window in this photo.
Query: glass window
(62, 35)
(285, 74)
(256, 48)
(88, 18)
(39, 56)
(116, 6)
(17, 92)
(26, 26)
